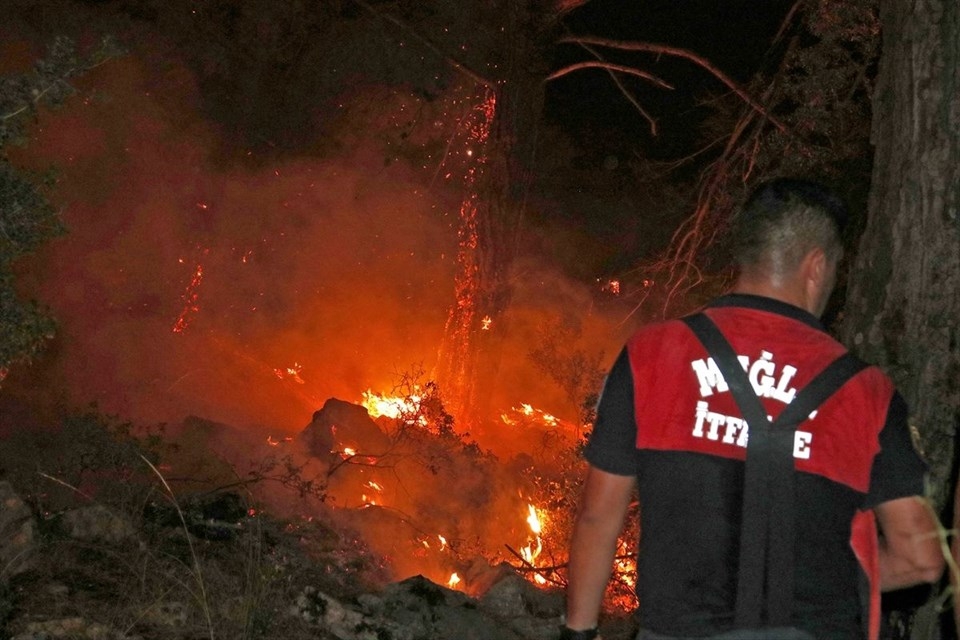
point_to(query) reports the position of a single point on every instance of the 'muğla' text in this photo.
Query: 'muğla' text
(766, 382)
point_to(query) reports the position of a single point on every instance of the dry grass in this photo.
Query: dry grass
(171, 576)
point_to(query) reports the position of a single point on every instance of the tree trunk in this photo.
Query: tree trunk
(491, 221)
(903, 303)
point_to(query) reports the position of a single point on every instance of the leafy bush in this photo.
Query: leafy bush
(87, 456)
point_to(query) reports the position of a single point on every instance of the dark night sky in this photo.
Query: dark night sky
(733, 34)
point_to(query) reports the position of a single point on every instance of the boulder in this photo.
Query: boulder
(531, 612)
(418, 609)
(96, 523)
(339, 424)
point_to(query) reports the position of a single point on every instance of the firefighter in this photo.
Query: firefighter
(766, 457)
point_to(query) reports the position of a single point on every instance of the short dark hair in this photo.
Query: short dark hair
(784, 219)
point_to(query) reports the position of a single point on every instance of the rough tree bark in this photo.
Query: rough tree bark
(903, 302)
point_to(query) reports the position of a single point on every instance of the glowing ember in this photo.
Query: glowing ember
(458, 357)
(612, 286)
(443, 542)
(191, 300)
(625, 571)
(454, 580)
(349, 452)
(292, 372)
(486, 322)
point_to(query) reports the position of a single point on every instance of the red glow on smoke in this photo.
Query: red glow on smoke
(349, 267)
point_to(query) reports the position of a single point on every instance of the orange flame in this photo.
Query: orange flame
(534, 520)
(454, 580)
(529, 411)
(378, 404)
(532, 550)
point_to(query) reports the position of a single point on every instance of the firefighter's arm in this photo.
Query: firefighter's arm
(603, 506)
(910, 548)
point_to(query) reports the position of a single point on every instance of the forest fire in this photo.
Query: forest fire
(276, 332)
(538, 547)
(407, 209)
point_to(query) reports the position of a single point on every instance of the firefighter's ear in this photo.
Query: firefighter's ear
(814, 265)
(817, 274)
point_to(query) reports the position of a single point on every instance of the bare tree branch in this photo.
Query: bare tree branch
(612, 69)
(788, 19)
(610, 66)
(680, 53)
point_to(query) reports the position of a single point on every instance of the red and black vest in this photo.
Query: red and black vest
(666, 415)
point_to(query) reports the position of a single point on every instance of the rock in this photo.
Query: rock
(317, 608)
(514, 596)
(442, 613)
(17, 533)
(339, 424)
(480, 576)
(415, 592)
(96, 523)
(413, 609)
(531, 612)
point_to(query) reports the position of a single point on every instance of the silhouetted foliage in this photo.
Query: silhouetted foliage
(27, 219)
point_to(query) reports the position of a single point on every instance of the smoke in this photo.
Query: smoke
(248, 293)
(288, 281)
(310, 278)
